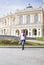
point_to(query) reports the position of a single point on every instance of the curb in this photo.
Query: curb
(21, 47)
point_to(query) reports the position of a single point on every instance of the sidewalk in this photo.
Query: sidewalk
(21, 46)
(41, 42)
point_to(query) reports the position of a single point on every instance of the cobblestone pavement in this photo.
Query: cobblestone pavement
(17, 56)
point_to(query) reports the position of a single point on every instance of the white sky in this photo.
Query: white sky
(7, 6)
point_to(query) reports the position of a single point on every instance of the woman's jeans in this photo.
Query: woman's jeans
(22, 41)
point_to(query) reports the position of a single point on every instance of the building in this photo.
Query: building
(30, 20)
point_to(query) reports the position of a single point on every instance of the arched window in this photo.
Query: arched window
(36, 18)
(28, 19)
(21, 19)
(26, 31)
(17, 32)
(34, 32)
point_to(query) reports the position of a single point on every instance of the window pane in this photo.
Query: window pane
(5, 21)
(36, 18)
(21, 19)
(29, 29)
(29, 33)
(28, 18)
(39, 29)
(39, 33)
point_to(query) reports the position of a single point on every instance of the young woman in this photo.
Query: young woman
(22, 38)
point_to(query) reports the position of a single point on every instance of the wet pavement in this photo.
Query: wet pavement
(17, 56)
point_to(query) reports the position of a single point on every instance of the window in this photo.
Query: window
(36, 18)
(21, 19)
(39, 29)
(8, 21)
(39, 33)
(29, 29)
(5, 21)
(28, 18)
(17, 31)
(34, 32)
(4, 31)
(29, 33)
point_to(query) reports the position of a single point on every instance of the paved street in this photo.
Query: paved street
(17, 56)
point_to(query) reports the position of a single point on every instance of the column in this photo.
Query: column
(19, 31)
(31, 33)
(24, 19)
(41, 31)
(37, 33)
(28, 32)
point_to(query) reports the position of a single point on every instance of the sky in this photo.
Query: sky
(7, 6)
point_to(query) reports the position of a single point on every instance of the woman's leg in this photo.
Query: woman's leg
(22, 44)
